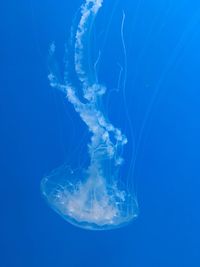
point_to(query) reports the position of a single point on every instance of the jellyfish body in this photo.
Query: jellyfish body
(90, 203)
(91, 198)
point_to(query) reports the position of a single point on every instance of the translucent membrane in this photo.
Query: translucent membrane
(92, 204)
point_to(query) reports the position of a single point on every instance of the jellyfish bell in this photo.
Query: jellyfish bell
(90, 203)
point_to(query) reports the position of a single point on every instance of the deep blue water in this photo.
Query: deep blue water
(39, 131)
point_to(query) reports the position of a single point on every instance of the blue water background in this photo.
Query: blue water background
(39, 131)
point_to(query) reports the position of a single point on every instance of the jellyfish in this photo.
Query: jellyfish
(92, 197)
